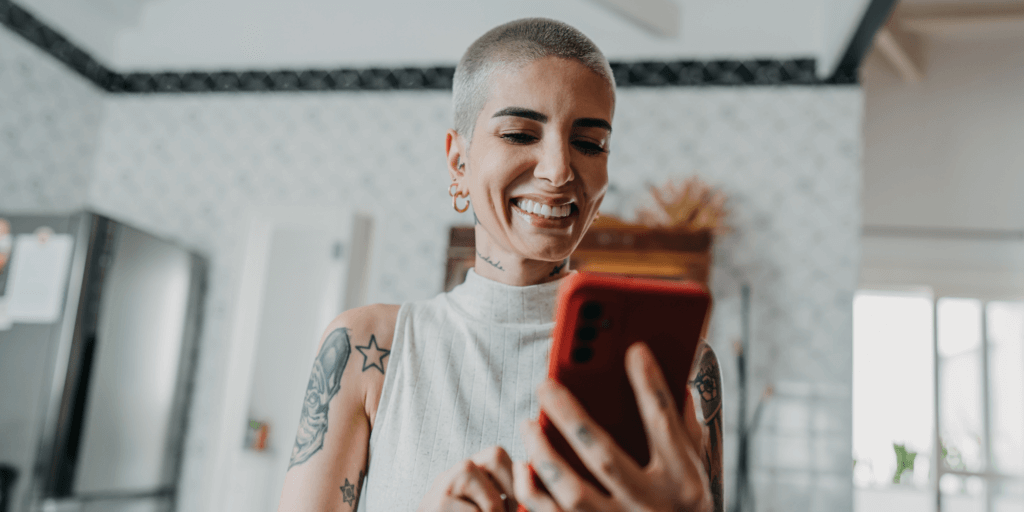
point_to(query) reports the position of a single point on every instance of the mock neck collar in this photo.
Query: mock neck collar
(491, 301)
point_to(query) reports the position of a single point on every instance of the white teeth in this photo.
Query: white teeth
(544, 210)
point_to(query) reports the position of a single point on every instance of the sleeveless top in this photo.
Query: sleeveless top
(463, 372)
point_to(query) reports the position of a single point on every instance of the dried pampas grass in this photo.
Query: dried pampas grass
(688, 207)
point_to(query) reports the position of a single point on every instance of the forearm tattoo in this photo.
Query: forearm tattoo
(495, 264)
(708, 383)
(324, 383)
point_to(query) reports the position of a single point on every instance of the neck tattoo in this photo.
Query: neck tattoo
(495, 264)
(558, 268)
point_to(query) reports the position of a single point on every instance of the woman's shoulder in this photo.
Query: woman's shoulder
(376, 320)
(370, 330)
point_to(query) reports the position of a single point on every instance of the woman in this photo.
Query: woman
(444, 384)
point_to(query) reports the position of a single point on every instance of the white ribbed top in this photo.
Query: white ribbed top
(462, 374)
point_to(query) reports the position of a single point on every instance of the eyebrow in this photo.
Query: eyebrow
(521, 112)
(592, 122)
(585, 122)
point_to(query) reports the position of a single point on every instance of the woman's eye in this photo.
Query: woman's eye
(518, 138)
(589, 148)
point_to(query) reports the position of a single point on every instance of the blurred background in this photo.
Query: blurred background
(192, 189)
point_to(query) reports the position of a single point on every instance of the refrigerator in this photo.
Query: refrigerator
(97, 353)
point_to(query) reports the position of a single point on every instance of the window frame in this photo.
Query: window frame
(937, 470)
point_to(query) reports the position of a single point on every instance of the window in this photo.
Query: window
(954, 363)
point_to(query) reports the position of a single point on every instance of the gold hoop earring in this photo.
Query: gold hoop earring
(451, 193)
(455, 205)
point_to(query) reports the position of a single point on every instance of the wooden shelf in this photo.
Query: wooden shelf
(613, 247)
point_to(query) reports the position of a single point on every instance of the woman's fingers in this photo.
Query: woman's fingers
(528, 494)
(695, 429)
(676, 439)
(569, 491)
(657, 405)
(458, 505)
(474, 484)
(496, 462)
(615, 469)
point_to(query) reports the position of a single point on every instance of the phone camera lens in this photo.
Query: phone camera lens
(582, 354)
(586, 333)
(591, 310)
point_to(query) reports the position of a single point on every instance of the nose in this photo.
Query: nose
(555, 165)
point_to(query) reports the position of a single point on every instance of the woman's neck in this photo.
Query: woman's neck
(498, 264)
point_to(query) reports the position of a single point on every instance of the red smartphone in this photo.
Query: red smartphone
(598, 317)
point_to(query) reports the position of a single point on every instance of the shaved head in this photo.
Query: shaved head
(511, 45)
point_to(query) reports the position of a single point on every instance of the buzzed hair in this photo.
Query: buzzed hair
(516, 43)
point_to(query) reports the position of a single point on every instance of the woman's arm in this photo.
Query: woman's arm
(708, 384)
(329, 458)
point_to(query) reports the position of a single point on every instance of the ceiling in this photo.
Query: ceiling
(906, 39)
(208, 35)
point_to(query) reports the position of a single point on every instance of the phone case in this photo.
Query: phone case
(598, 317)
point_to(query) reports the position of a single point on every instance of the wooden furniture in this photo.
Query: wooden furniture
(610, 246)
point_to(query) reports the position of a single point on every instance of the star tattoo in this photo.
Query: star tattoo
(373, 356)
(349, 493)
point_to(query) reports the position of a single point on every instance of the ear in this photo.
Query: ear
(455, 148)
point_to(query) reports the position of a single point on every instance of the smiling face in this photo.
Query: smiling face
(537, 167)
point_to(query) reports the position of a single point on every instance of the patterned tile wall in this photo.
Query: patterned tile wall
(192, 167)
(49, 122)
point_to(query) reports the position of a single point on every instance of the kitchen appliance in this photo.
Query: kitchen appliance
(93, 402)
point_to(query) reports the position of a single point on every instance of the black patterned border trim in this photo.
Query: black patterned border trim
(716, 72)
(371, 79)
(757, 72)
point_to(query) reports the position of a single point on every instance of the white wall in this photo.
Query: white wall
(195, 168)
(947, 153)
(302, 276)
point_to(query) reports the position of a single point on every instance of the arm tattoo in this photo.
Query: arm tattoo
(709, 384)
(373, 356)
(324, 383)
(558, 268)
(495, 264)
(350, 492)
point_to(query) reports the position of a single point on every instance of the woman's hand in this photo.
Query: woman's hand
(482, 482)
(675, 479)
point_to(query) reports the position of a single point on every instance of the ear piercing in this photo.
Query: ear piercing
(456, 194)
